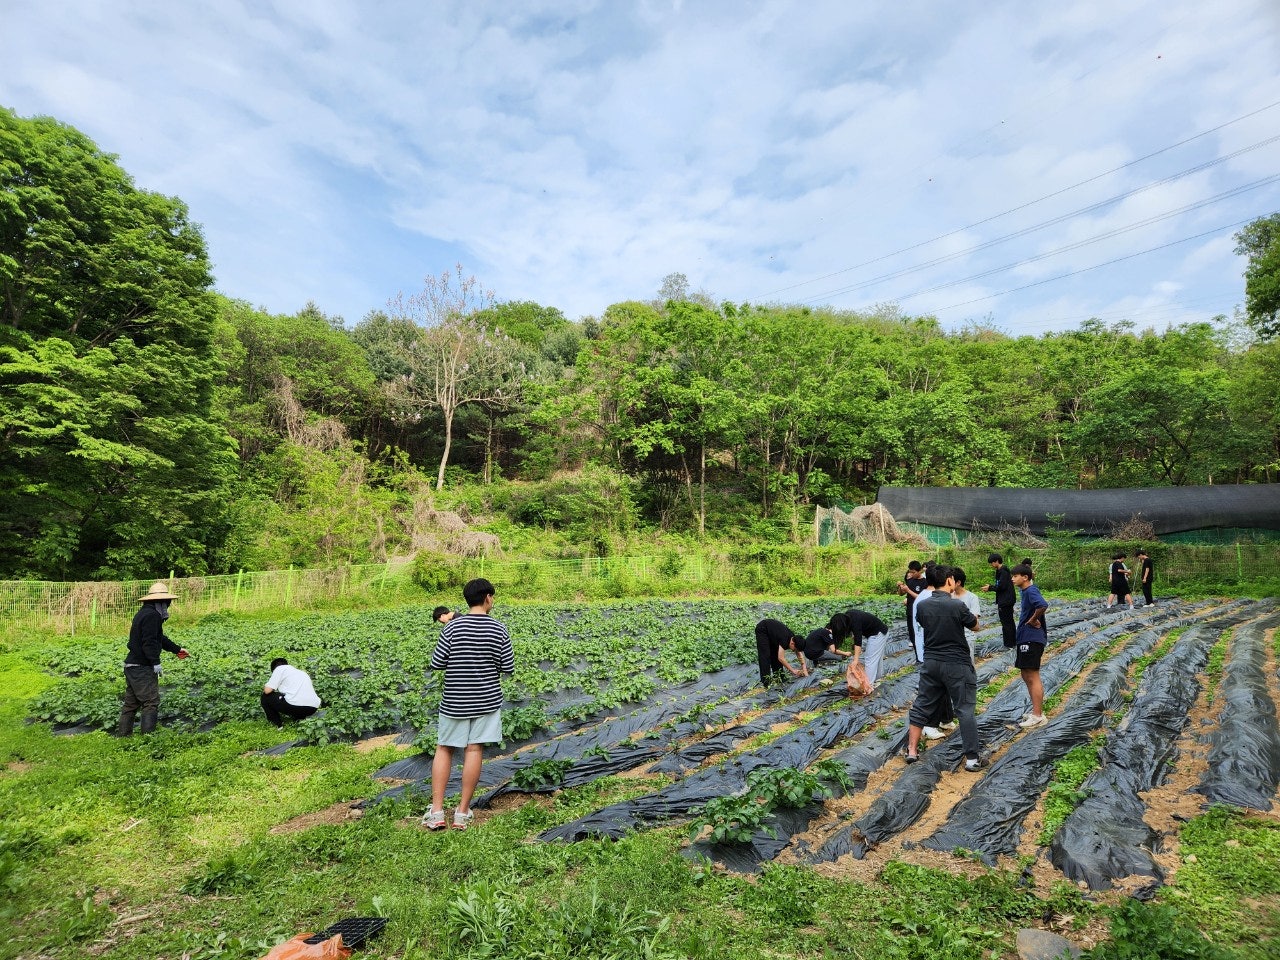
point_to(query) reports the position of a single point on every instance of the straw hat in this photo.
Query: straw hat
(159, 591)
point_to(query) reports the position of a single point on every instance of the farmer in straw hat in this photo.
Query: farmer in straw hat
(142, 664)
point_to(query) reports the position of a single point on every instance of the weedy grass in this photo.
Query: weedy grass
(1229, 879)
(171, 846)
(1063, 794)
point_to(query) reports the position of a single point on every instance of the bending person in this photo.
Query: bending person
(773, 639)
(870, 636)
(288, 692)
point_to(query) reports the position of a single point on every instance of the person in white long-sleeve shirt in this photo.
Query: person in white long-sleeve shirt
(288, 692)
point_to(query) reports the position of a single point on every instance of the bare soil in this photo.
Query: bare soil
(336, 813)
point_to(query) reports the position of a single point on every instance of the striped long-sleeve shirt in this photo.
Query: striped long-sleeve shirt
(473, 651)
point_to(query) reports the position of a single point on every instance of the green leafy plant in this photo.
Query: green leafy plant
(521, 723)
(833, 771)
(1064, 794)
(736, 819)
(1140, 931)
(731, 819)
(541, 773)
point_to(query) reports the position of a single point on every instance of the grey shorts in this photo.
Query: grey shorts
(453, 732)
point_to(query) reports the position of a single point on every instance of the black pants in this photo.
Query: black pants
(960, 683)
(274, 704)
(1146, 591)
(1007, 626)
(767, 655)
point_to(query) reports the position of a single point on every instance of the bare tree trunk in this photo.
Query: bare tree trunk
(488, 451)
(702, 489)
(448, 442)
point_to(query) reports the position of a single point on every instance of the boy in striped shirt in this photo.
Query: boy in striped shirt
(474, 650)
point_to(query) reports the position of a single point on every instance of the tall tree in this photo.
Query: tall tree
(1260, 242)
(454, 358)
(111, 456)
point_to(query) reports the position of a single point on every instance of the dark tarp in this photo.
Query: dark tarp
(989, 820)
(797, 749)
(1106, 837)
(801, 747)
(906, 801)
(1244, 755)
(1167, 509)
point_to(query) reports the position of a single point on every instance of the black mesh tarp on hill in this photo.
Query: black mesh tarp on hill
(1093, 512)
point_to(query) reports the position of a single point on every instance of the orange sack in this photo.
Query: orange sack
(299, 949)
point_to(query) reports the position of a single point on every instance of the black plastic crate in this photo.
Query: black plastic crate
(355, 931)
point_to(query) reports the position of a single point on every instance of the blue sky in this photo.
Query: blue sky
(575, 153)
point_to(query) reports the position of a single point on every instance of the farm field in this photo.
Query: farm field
(652, 799)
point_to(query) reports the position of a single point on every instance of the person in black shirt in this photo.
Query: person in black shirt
(142, 662)
(773, 639)
(1005, 599)
(1147, 573)
(819, 643)
(910, 588)
(869, 633)
(947, 669)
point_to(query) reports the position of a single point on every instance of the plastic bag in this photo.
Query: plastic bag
(856, 681)
(300, 948)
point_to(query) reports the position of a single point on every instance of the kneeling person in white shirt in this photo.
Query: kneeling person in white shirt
(288, 692)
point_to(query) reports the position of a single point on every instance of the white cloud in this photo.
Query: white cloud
(575, 153)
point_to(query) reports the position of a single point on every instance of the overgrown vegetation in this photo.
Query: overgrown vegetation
(296, 439)
(180, 844)
(1064, 794)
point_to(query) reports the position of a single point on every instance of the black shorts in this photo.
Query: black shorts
(1028, 656)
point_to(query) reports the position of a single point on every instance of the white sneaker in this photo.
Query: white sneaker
(949, 726)
(1033, 720)
(933, 733)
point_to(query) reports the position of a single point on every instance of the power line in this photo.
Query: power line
(1097, 238)
(1150, 315)
(1091, 208)
(1097, 266)
(1030, 203)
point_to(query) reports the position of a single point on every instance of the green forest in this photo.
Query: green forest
(149, 423)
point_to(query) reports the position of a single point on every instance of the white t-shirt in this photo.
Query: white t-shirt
(924, 594)
(970, 600)
(295, 685)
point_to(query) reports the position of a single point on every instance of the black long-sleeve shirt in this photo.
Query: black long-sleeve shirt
(147, 639)
(1005, 596)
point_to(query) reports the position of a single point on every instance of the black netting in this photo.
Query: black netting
(1094, 512)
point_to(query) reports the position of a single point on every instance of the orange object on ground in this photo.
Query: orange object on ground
(857, 683)
(330, 943)
(299, 949)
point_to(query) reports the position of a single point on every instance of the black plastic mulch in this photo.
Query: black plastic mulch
(905, 802)
(609, 736)
(1244, 753)
(796, 749)
(1106, 837)
(989, 820)
(859, 760)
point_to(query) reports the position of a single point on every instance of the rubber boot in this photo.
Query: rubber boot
(149, 720)
(125, 727)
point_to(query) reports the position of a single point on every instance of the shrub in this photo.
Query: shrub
(436, 572)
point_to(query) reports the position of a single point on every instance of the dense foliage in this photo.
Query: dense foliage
(127, 388)
(111, 455)
(573, 661)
